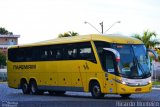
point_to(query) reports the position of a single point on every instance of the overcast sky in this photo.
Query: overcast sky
(38, 20)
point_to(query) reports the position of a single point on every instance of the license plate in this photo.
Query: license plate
(138, 89)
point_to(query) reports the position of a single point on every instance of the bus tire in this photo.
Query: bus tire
(125, 95)
(95, 90)
(33, 88)
(24, 87)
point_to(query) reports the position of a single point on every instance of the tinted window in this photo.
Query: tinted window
(74, 51)
(71, 51)
(100, 45)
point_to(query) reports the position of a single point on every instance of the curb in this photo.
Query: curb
(155, 88)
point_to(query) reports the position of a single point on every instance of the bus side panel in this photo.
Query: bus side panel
(43, 73)
(107, 83)
(92, 72)
(13, 76)
(68, 73)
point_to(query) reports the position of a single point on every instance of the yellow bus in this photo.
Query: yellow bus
(100, 64)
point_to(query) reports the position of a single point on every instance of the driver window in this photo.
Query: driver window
(109, 63)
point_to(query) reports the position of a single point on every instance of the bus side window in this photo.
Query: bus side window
(74, 53)
(86, 54)
(70, 51)
(71, 54)
(29, 54)
(44, 55)
(51, 55)
(20, 55)
(35, 54)
(58, 54)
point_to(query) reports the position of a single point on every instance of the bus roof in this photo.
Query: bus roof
(91, 37)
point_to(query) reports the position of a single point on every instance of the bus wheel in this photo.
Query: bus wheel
(96, 90)
(33, 88)
(25, 88)
(125, 95)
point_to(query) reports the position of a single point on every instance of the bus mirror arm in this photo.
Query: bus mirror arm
(115, 52)
(154, 53)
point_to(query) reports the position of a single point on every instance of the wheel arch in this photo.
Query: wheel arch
(22, 80)
(92, 80)
(32, 79)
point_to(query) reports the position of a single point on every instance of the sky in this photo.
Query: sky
(39, 20)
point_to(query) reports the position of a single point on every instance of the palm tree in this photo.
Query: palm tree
(3, 31)
(147, 38)
(68, 34)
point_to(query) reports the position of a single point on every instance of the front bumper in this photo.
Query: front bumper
(124, 89)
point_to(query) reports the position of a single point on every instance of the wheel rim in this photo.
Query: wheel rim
(25, 87)
(96, 90)
(33, 89)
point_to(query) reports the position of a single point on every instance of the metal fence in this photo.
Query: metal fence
(156, 71)
(3, 75)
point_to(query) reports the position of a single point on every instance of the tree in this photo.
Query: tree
(3, 31)
(147, 38)
(2, 59)
(68, 34)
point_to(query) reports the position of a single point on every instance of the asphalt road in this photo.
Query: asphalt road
(15, 98)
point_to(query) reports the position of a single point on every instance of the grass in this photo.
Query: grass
(156, 83)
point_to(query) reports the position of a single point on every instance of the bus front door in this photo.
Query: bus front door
(110, 58)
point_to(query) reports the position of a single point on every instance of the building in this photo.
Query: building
(8, 40)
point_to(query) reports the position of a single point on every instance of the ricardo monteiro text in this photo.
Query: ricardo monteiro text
(17, 67)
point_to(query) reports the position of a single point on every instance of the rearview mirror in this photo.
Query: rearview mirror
(115, 52)
(154, 53)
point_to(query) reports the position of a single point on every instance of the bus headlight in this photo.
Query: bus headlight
(149, 81)
(123, 82)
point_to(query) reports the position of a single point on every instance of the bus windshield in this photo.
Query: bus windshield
(133, 61)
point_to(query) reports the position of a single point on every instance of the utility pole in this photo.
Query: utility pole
(112, 26)
(101, 26)
(92, 26)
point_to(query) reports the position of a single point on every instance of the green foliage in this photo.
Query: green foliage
(158, 52)
(3, 31)
(147, 38)
(2, 59)
(68, 34)
(156, 83)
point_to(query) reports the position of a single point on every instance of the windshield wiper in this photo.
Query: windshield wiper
(140, 66)
(137, 63)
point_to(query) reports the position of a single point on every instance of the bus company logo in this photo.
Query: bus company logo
(17, 67)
